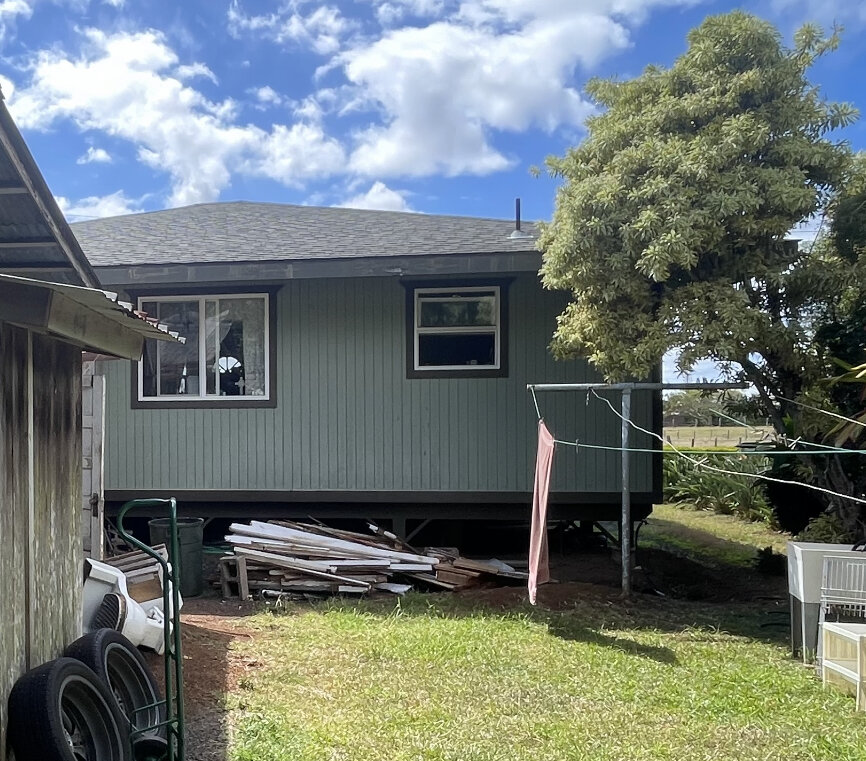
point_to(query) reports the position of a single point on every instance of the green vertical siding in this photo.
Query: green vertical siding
(348, 419)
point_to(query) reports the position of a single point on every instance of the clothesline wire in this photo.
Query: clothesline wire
(741, 423)
(755, 453)
(725, 471)
(817, 445)
(824, 412)
(749, 453)
(535, 401)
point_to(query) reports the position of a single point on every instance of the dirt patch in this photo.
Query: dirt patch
(211, 671)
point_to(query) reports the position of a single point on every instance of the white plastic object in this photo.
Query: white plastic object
(143, 623)
(806, 567)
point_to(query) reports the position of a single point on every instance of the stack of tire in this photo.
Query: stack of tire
(98, 702)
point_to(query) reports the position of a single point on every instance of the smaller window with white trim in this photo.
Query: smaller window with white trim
(457, 329)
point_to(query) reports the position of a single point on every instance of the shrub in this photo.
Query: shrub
(739, 495)
(826, 528)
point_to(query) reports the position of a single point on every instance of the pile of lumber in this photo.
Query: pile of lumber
(286, 557)
(292, 557)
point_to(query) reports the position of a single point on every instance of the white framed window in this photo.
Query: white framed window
(226, 355)
(457, 330)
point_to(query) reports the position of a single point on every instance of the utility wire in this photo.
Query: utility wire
(725, 471)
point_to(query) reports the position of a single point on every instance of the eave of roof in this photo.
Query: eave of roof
(93, 319)
(134, 278)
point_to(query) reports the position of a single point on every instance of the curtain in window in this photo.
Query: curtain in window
(247, 317)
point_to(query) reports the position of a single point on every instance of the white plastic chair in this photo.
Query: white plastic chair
(843, 587)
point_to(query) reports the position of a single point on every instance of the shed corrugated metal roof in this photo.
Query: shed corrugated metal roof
(264, 232)
(35, 238)
(104, 303)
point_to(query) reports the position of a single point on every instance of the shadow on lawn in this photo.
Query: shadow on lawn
(570, 631)
(698, 544)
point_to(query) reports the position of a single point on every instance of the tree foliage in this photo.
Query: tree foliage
(670, 225)
(704, 408)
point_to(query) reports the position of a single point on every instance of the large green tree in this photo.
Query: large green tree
(672, 221)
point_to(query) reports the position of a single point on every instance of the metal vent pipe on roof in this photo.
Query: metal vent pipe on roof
(518, 233)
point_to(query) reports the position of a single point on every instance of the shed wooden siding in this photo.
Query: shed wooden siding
(40, 562)
(347, 418)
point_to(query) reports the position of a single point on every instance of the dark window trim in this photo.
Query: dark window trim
(217, 402)
(476, 282)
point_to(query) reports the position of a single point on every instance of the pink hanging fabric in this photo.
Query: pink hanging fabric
(539, 573)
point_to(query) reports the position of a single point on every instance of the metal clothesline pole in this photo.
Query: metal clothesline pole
(625, 529)
(626, 389)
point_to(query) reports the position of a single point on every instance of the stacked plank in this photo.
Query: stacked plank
(454, 572)
(143, 573)
(282, 556)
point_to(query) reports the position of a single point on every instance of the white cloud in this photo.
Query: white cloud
(95, 156)
(322, 30)
(289, 152)
(122, 85)
(10, 10)
(392, 11)
(379, 196)
(192, 70)
(266, 95)
(92, 207)
(439, 94)
(7, 87)
(114, 3)
(445, 87)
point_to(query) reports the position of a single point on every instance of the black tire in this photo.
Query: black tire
(150, 748)
(62, 711)
(121, 666)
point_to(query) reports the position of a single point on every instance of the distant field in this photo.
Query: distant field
(712, 435)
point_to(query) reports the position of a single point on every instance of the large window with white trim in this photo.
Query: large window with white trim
(225, 355)
(457, 329)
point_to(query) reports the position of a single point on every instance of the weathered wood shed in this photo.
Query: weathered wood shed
(44, 326)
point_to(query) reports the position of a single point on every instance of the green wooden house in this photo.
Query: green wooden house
(343, 362)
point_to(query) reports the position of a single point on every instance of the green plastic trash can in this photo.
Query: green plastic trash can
(190, 537)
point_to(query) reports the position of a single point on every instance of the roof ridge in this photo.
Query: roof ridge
(278, 205)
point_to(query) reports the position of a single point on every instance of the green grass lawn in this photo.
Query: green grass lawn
(457, 678)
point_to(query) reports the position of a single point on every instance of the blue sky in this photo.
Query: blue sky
(437, 106)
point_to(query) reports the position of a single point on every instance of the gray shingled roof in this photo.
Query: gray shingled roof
(255, 232)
